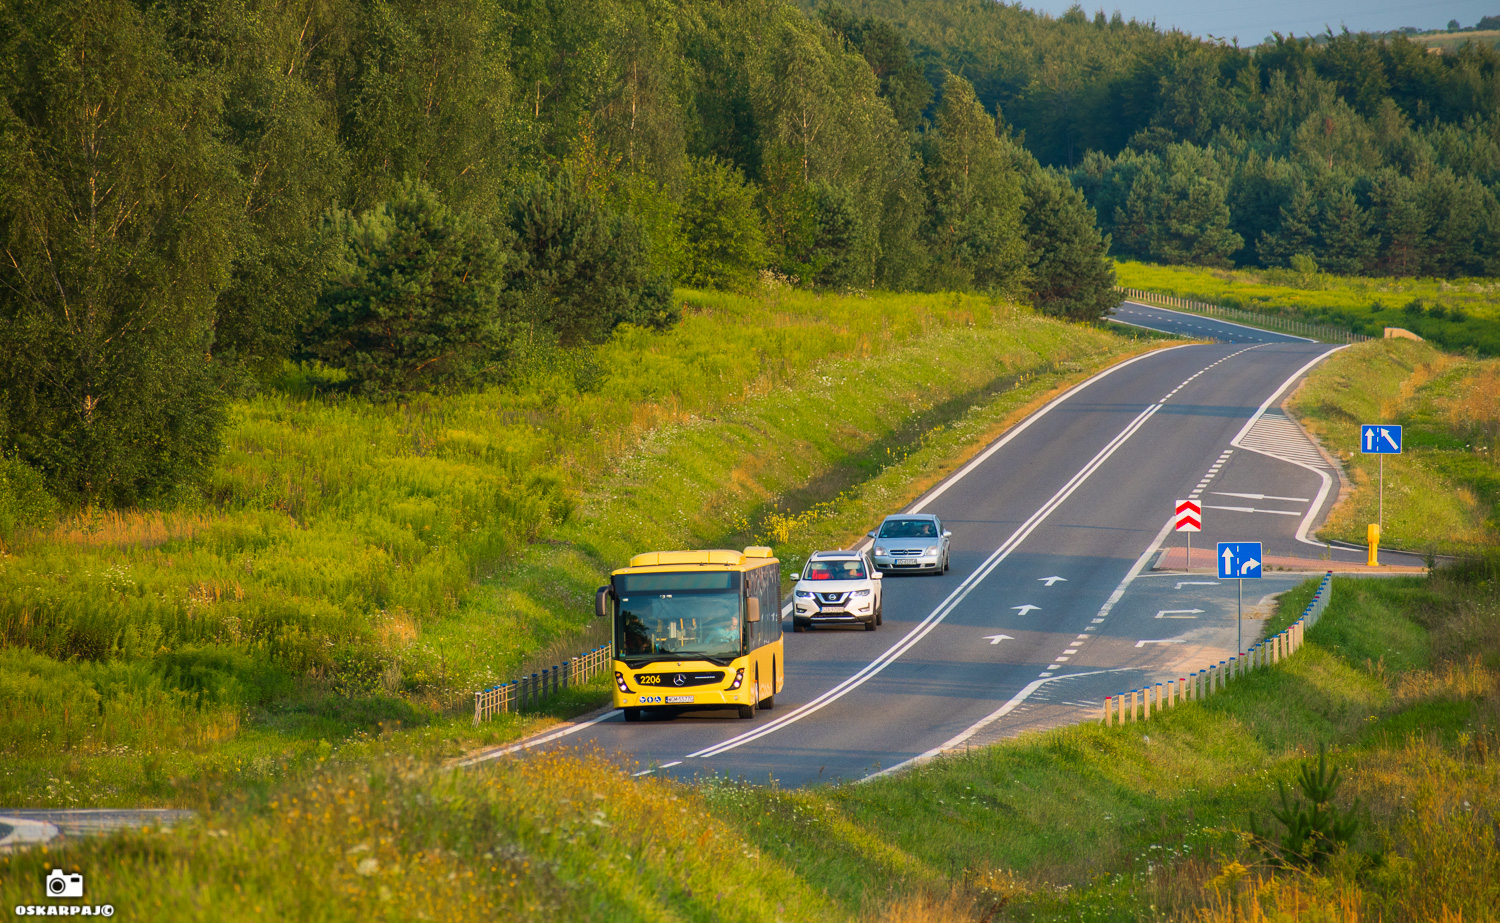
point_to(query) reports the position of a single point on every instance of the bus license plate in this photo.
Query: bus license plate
(679, 699)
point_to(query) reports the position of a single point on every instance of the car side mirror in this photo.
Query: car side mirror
(752, 610)
(947, 534)
(876, 575)
(601, 601)
(870, 534)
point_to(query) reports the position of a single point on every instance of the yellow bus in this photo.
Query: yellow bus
(696, 629)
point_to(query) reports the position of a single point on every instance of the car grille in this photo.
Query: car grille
(902, 552)
(831, 597)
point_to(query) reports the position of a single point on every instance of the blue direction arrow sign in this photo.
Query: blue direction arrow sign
(1239, 559)
(1375, 439)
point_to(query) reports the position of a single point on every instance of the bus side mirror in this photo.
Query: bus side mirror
(601, 602)
(752, 610)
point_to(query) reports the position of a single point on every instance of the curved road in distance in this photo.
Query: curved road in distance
(1136, 314)
(1050, 604)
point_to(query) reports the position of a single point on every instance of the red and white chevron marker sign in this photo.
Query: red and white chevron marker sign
(1189, 516)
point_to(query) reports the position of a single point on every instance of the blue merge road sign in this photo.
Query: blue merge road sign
(1376, 439)
(1239, 559)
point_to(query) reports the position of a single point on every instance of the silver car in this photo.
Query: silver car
(911, 542)
(837, 588)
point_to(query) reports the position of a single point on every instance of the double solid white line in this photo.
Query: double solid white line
(936, 616)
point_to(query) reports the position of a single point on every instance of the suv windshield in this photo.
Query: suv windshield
(908, 528)
(679, 616)
(835, 570)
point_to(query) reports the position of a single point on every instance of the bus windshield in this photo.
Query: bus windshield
(680, 625)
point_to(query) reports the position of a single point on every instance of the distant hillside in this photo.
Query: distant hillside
(1452, 41)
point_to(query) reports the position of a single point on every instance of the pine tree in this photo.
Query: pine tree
(1071, 275)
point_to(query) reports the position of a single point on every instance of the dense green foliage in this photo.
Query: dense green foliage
(190, 187)
(1361, 154)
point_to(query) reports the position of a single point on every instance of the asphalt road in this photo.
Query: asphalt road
(1135, 314)
(1051, 603)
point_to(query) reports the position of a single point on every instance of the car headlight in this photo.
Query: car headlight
(880, 551)
(858, 593)
(804, 594)
(932, 550)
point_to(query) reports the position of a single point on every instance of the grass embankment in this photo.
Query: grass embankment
(1458, 315)
(357, 567)
(1400, 679)
(1442, 494)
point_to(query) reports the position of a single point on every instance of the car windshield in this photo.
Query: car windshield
(835, 570)
(682, 625)
(908, 528)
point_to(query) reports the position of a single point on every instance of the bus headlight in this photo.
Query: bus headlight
(620, 681)
(739, 677)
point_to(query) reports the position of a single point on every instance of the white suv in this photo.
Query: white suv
(837, 588)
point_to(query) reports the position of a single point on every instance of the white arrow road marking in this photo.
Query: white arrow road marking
(1179, 613)
(996, 639)
(1183, 583)
(1173, 641)
(1026, 608)
(1251, 509)
(945, 608)
(1248, 566)
(1225, 493)
(1051, 580)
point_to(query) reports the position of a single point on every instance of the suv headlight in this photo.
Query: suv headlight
(932, 550)
(858, 593)
(804, 594)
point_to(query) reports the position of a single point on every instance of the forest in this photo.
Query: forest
(1343, 152)
(421, 195)
(429, 195)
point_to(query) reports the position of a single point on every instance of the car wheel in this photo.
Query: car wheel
(632, 714)
(798, 625)
(945, 564)
(870, 625)
(880, 613)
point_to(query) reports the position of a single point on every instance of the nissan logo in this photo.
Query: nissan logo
(677, 680)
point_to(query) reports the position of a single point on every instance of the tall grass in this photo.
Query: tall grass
(1443, 492)
(1461, 314)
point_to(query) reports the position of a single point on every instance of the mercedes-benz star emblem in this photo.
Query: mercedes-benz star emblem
(677, 680)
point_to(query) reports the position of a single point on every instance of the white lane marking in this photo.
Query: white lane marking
(536, 741)
(1135, 570)
(996, 639)
(936, 616)
(1226, 493)
(643, 772)
(671, 764)
(1179, 613)
(1021, 427)
(1183, 583)
(986, 721)
(1028, 608)
(1051, 580)
(1317, 504)
(1251, 509)
(1166, 641)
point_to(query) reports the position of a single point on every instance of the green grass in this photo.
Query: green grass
(1457, 314)
(359, 569)
(1442, 494)
(1400, 680)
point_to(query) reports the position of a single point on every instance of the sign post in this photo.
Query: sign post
(1377, 439)
(1239, 561)
(1189, 519)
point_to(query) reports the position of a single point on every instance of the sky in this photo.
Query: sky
(1253, 20)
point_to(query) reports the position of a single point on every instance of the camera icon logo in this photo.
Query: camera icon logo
(61, 884)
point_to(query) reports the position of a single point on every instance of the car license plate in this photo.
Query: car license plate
(679, 699)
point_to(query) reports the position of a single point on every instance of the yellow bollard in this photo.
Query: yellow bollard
(1372, 535)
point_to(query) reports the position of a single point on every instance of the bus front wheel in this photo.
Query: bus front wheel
(632, 714)
(747, 711)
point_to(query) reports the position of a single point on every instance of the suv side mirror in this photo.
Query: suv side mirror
(947, 534)
(601, 601)
(752, 609)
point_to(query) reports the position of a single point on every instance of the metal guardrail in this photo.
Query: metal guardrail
(1136, 705)
(529, 691)
(1324, 332)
